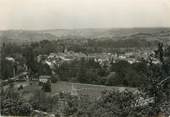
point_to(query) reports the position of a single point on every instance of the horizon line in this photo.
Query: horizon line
(43, 29)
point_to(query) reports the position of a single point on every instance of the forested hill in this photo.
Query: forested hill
(20, 36)
(110, 33)
(24, 36)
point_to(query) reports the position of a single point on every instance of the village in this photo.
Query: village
(84, 58)
(57, 59)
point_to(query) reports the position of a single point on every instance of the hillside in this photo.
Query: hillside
(24, 36)
(68, 87)
(20, 37)
(123, 33)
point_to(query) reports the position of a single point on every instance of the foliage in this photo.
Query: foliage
(42, 101)
(13, 104)
(46, 87)
(7, 68)
(43, 69)
(30, 58)
(54, 78)
(115, 104)
(110, 104)
(158, 81)
(127, 74)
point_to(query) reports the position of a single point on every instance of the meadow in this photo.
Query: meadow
(69, 87)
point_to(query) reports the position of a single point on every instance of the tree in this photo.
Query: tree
(81, 76)
(42, 101)
(121, 68)
(6, 69)
(157, 82)
(46, 87)
(54, 78)
(43, 69)
(13, 104)
(30, 59)
(116, 104)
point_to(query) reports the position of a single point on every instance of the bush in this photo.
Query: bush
(20, 87)
(13, 104)
(46, 87)
(54, 79)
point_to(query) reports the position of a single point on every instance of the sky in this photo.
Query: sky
(71, 14)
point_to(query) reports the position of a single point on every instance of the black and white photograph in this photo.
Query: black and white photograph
(84, 58)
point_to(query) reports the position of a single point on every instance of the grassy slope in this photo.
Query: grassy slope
(82, 89)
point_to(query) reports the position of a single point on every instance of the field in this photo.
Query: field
(83, 89)
(68, 87)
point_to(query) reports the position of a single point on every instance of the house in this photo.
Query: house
(44, 78)
(10, 59)
(37, 113)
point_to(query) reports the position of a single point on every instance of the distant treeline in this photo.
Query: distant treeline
(85, 46)
(95, 45)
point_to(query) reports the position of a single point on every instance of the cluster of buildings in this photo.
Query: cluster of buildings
(56, 59)
(104, 59)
